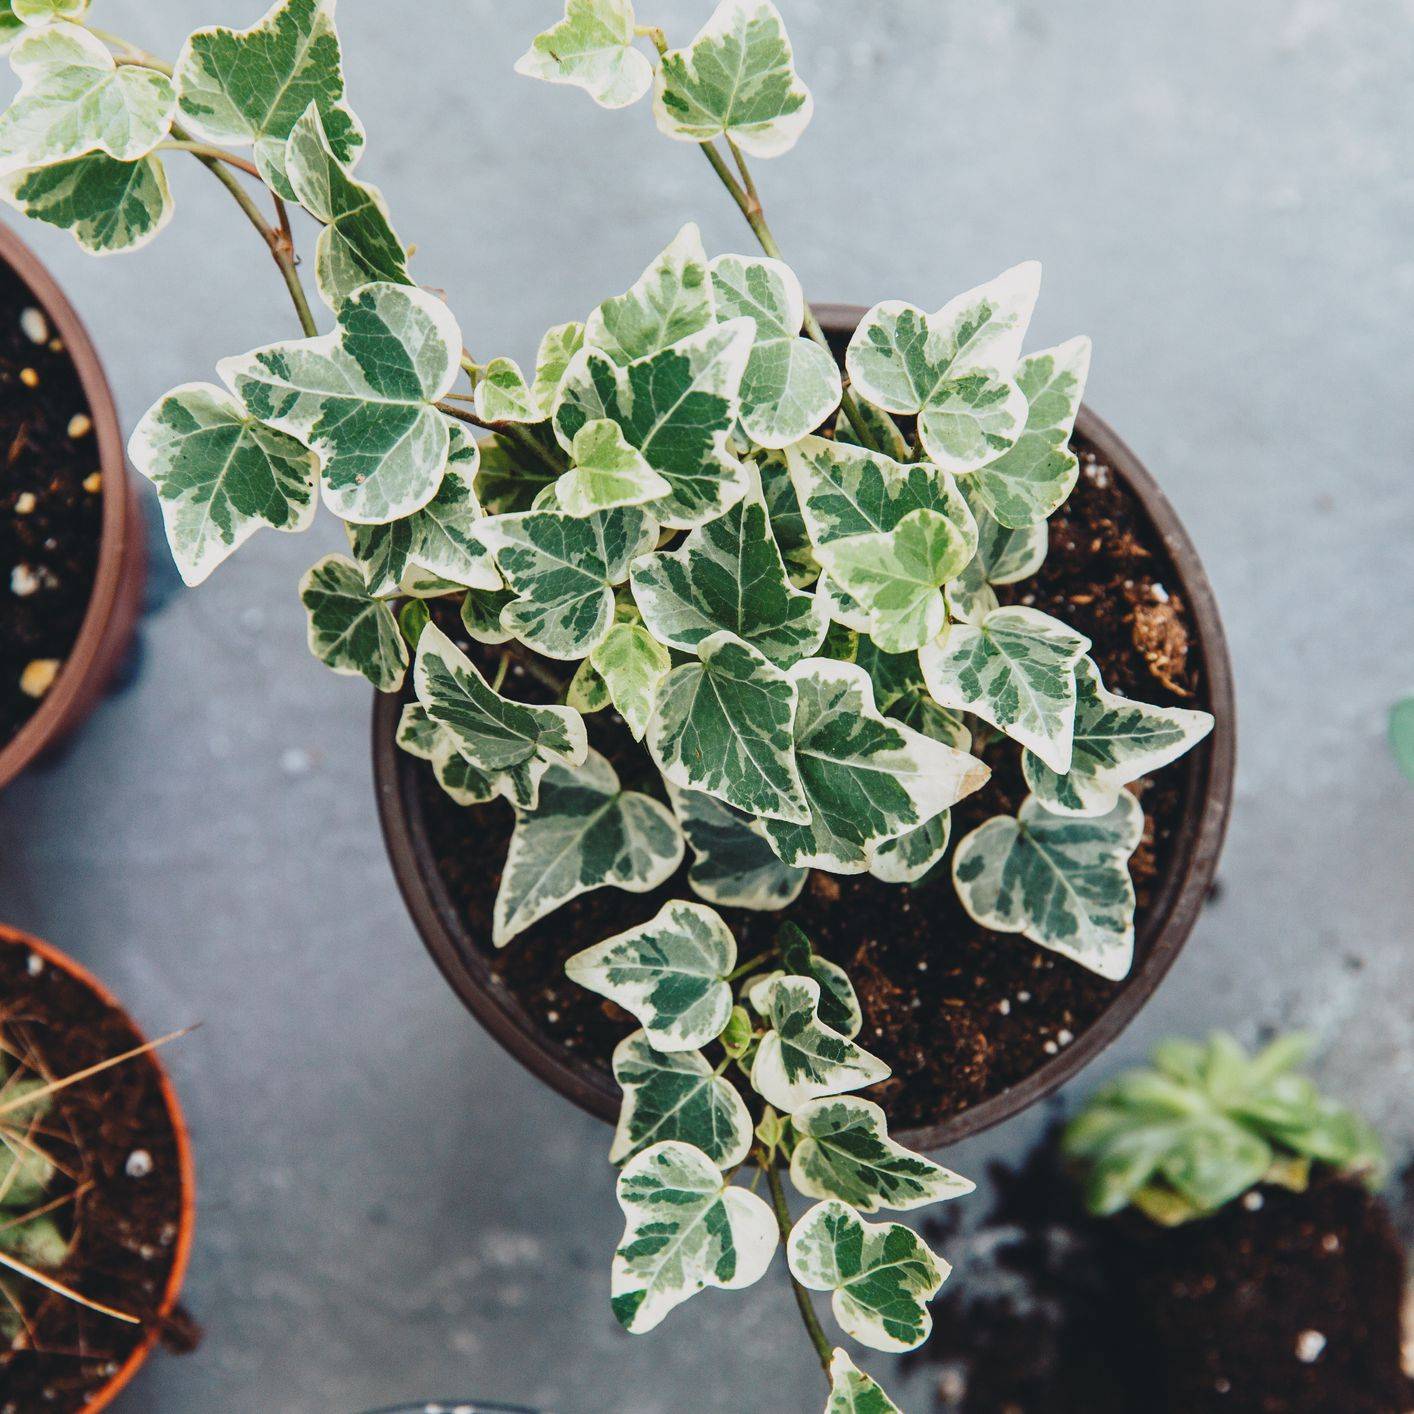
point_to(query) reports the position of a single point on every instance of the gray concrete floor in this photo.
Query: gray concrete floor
(1222, 197)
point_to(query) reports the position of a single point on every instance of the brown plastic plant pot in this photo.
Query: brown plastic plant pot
(116, 599)
(1207, 774)
(186, 1226)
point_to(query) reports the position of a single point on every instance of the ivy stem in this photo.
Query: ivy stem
(502, 668)
(214, 154)
(767, 1160)
(511, 431)
(751, 966)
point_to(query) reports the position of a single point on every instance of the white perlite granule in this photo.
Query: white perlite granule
(139, 1164)
(35, 326)
(1309, 1345)
(23, 581)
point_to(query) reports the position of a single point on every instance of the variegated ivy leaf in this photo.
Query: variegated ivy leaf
(670, 973)
(845, 1152)
(350, 630)
(585, 832)
(1062, 882)
(791, 384)
(953, 369)
(1004, 555)
(669, 301)
(481, 614)
(511, 742)
(839, 1006)
(678, 407)
(106, 205)
(631, 663)
(1116, 741)
(676, 1095)
(854, 1392)
(882, 1274)
(733, 865)
(686, 1230)
(74, 99)
(899, 690)
(725, 725)
(884, 431)
(39, 13)
(1016, 670)
(787, 523)
(866, 778)
(728, 576)
(220, 475)
(844, 609)
(563, 569)
(908, 858)
(607, 472)
(362, 399)
(511, 478)
(800, 1058)
(557, 348)
(592, 48)
(1027, 483)
(737, 80)
(503, 395)
(358, 244)
(240, 88)
(420, 736)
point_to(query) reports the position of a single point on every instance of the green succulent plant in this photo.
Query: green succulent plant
(1206, 1123)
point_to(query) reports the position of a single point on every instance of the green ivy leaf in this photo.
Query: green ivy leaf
(1016, 670)
(513, 743)
(631, 663)
(737, 79)
(724, 725)
(45, 12)
(585, 832)
(239, 88)
(866, 778)
(670, 973)
(953, 370)
(733, 865)
(592, 48)
(910, 857)
(787, 522)
(686, 1230)
(420, 736)
(481, 614)
(845, 1152)
(1062, 882)
(563, 569)
(358, 245)
(511, 479)
(106, 205)
(677, 407)
(1116, 741)
(675, 1095)
(220, 475)
(854, 1392)
(839, 1006)
(75, 99)
(882, 1275)
(607, 472)
(728, 576)
(791, 385)
(349, 630)
(1027, 483)
(552, 361)
(800, 1058)
(503, 395)
(362, 399)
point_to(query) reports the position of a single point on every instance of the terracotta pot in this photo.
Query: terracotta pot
(181, 1250)
(1208, 776)
(116, 600)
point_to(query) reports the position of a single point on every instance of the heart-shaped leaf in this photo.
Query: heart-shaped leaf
(676, 1095)
(361, 399)
(503, 395)
(74, 99)
(1060, 881)
(953, 370)
(854, 1392)
(563, 569)
(728, 576)
(1116, 741)
(592, 48)
(585, 832)
(106, 205)
(736, 80)
(791, 385)
(607, 472)
(733, 865)
(632, 664)
(670, 973)
(350, 630)
(839, 1006)
(908, 858)
(557, 348)
(420, 736)
(38, 13)
(845, 1152)
(882, 1274)
(512, 743)
(725, 725)
(1016, 670)
(220, 475)
(239, 88)
(800, 1058)
(686, 1230)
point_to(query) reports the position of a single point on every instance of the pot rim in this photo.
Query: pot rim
(121, 528)
(186, 1225)
(1197, 845)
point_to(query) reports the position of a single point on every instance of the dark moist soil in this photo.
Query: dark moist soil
(1282, 1303)
(51, 503)
(124, 1225)
(958, 1012)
